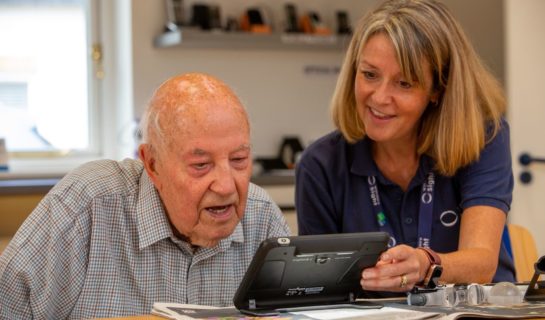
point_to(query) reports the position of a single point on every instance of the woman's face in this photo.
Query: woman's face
(389, 105)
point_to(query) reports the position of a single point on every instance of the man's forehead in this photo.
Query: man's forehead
(204, 152)
(185, 99)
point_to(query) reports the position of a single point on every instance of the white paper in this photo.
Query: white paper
(382, 313)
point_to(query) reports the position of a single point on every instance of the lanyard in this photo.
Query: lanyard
(425, 212)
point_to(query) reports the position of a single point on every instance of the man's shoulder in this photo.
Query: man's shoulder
(262, 217)
(258, 194)
(100, 178)
(259, 205)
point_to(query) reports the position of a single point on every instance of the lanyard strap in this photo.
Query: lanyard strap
(425, 213)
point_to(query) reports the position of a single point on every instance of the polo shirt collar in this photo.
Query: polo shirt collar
(362, 159)
(153, 224)
(362, 163)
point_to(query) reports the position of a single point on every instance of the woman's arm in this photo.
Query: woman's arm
(474, 262)
(479, 245)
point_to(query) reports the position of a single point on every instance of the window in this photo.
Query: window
(46, 107)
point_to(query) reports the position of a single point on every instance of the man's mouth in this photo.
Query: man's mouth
(220, 211)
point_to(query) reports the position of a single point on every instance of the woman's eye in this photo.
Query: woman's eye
(369, 75)
(405, 84)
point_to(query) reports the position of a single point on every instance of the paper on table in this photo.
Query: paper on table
(383, 313)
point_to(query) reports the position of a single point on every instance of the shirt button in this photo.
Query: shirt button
(408, 220)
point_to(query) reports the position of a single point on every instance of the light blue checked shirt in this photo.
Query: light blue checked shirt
(100, 245)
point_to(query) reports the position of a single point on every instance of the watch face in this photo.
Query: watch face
(434, 275)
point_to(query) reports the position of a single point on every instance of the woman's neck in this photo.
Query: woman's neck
(397, 161)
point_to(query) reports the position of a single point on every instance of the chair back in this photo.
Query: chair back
(524, 251)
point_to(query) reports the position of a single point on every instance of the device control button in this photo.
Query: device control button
(283, 241)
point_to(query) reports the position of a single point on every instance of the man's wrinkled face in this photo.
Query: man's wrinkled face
(203, 175)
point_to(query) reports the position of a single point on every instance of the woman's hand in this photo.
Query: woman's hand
(399, 269)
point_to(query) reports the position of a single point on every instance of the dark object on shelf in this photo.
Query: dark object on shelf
(253, 21)
(254, 16)
(291, 18)
(175, 14)
(231, 25)
(290, 151)
(215, 17)
(343, 25)
(269, 164)
(288, 155)
(201, 16)
(312, 23)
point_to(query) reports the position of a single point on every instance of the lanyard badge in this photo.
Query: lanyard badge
(425, 213)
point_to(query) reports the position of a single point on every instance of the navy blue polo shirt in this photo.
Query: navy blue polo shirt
(332, 193)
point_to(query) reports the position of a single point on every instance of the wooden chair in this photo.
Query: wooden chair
(4, 243)
(524, 250)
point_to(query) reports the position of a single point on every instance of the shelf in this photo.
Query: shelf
(196, 38)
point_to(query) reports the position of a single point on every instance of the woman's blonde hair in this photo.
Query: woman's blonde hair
(454, 130)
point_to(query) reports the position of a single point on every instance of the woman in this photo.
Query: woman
(421, 151)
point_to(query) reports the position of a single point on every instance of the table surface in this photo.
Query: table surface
(143, 317)
(152, 317)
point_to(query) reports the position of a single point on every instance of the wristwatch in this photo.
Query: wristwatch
(431, 280)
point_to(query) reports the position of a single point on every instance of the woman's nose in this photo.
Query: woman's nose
(382, 94)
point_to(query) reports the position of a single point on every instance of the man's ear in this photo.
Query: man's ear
(147, 156)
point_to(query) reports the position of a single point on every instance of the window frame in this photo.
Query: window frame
(110, 128)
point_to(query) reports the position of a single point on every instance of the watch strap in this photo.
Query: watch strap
(433, 257)
(434, 270)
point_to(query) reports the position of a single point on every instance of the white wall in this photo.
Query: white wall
(280, 98)
(526, 91)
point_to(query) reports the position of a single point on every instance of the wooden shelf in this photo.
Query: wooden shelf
(196, 38)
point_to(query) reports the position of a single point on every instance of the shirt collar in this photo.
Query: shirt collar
(362, 159)
(153, 224)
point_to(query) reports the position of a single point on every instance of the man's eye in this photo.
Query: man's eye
(200, 166)
(240, 162)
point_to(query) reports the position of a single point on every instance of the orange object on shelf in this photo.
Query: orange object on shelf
(251, 26)
(310, 23)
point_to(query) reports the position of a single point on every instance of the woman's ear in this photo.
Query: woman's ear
(434, 99)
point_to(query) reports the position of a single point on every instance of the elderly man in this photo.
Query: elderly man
(181, 225)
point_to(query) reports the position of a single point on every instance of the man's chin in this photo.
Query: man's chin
(205, 243)
(211, 240)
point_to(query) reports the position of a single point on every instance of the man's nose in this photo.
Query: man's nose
(224, 181)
